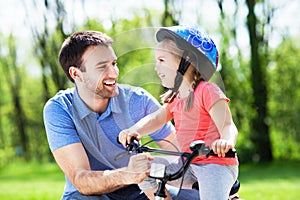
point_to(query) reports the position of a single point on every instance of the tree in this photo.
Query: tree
(47, 45)
(13, 76)
(284, 99)
(260, 131)
(235, 77)
(169, 15)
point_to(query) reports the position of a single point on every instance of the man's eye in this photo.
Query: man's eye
(101, 67)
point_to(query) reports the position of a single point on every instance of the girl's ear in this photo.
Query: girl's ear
(75, 73)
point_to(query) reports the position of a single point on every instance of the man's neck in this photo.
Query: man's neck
(93, 102)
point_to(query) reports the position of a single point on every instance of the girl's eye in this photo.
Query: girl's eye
(160, 60)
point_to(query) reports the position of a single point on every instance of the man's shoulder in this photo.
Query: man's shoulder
(62, 97)
(129, 90)
(133, 96)
(63, 94)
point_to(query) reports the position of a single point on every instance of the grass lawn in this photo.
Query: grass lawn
(277, 181)
(33, 181)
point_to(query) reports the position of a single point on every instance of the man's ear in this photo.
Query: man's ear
(75, 73)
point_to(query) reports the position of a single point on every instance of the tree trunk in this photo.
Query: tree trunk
(260, 129)
(13, 77)
(168, 18)
(22, 145)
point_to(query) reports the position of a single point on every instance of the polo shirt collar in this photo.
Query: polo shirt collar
(83, 110)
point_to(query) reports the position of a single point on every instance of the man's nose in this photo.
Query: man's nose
(113, 71)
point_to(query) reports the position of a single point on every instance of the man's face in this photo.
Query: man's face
(101, 71)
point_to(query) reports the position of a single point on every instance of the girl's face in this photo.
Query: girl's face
(167, 62)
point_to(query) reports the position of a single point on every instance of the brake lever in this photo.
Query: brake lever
(133, 146)
(120, 155)
(127, 152)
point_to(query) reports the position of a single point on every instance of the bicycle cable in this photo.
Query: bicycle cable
(182, 160)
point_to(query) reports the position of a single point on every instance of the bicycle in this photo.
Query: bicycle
(158, 171)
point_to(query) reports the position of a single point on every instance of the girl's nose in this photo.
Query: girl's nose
(156, 67)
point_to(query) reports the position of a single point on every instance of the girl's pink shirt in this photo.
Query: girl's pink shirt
(196, 124)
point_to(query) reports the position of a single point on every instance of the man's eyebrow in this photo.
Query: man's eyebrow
(104, 62)
(101, 62)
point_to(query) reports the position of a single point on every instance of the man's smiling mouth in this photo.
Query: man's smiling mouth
(110, 83)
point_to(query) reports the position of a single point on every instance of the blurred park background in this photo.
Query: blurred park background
(259, 52)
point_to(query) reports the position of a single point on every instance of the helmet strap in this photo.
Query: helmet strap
(182, 68)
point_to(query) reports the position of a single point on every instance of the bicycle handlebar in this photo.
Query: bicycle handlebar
(198, 148)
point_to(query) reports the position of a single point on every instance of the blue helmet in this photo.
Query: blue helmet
(194, 41)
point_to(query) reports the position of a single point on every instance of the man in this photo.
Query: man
(83, 123)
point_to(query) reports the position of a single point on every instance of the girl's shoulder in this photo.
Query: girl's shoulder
(205, 86)
(209, 92)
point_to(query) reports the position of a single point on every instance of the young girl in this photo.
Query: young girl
(185, 61)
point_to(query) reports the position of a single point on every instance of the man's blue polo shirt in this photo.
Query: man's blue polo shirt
(68, 120)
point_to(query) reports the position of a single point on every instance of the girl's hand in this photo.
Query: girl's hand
(126, 135)
(222, 146)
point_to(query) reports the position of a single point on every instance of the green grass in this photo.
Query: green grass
(276, 181)
(32, 181)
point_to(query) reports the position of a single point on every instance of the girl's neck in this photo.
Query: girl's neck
(184, 89)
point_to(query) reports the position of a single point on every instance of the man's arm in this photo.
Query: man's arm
(73, 161)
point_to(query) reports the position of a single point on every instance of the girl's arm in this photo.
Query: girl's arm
(221, 115)
(146, 125)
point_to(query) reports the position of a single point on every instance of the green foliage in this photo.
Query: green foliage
(28, 91)
(6, 127)
(284, 94)
(234, 80)
(33, 107)
(7, 154)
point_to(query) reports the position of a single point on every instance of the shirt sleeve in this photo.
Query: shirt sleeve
(211, 93)
(60, 128)
(150, 105)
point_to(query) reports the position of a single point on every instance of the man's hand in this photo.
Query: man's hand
(139, 168)
(126, 135)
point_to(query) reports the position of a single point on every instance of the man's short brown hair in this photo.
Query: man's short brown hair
(76, 44)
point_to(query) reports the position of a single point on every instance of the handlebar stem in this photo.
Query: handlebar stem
(161, 190)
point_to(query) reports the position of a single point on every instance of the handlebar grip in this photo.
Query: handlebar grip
(230, 154)
(133, 139)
